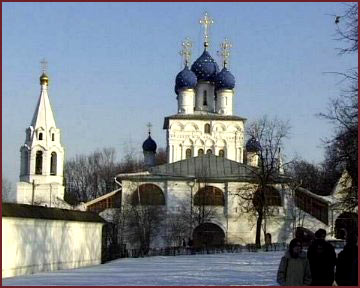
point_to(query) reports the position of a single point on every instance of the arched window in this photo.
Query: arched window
(24, 168)
(40, 136)
(209, 195)
(26, 162)
(205, 98)
(38, 162)
(346, 223)
(209, 151)
(188, 153)
(207, 128)
(28, 135)
(53, 163)
(200, 152)
(270, 197)
(148, 194)
(52, 137)
(221, 153)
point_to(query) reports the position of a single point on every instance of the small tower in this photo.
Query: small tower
(149, 149)
(185, 82)
(224, 83)
(42, 155)
(252, 152)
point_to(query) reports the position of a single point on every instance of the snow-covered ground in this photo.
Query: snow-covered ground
(246, 268)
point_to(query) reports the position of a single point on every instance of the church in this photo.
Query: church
(210, 163)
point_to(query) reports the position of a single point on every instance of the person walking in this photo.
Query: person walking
(294, 268)
(347, 263)
(322, 259)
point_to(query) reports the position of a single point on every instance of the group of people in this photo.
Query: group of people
(317, 266)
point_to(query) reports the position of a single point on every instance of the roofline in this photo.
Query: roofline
(102, 197)
(26, 211)
(201, 117)
(326, 199)
(162, 177)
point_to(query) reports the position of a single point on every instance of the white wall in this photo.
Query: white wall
(45, 194)
(189, 134)
(238, 225)
(35, 245)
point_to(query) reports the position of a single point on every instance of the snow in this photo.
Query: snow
(245, 268)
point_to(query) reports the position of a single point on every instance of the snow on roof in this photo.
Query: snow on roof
(102, 197)
(331, 200)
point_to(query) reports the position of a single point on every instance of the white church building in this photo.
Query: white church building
(209, 164)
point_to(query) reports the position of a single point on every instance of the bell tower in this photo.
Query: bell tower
(42, 155)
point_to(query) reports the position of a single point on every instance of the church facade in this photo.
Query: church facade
(210, 165)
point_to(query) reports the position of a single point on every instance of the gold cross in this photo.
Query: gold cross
(224, 52)
(149, 125)
(186, 50)
(206, 22)
(44, 65)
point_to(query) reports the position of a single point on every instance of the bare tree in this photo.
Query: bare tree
(144, 212)
(347, 28)
(143, 224)
(161, 156)
(258, 198)
(90, 176)
(178, 226)
(342, 147)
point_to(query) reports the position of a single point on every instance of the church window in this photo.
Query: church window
(148, 194)
(270, 197)
(221, 153)
(53, 163)
(52, 137)
(209, 151)
(209, 195)
(25, 163)
(188, 153)
(205, 98)
(28, 134)
(40, 136)
(38, 162)
(207, 128)
(200, 152)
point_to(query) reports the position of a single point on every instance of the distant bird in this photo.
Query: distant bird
(337, 19)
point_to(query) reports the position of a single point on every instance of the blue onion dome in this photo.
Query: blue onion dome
(253, 145)
(149, 145)
(205, 67)
(224, 80)
(185, 79)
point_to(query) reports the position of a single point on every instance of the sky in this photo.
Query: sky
(112, 69)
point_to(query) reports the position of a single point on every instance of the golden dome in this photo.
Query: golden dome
(44, 79)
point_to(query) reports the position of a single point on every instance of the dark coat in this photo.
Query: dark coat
(322, 259)
(346, 268)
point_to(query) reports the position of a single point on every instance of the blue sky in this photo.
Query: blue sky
(112, 68)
